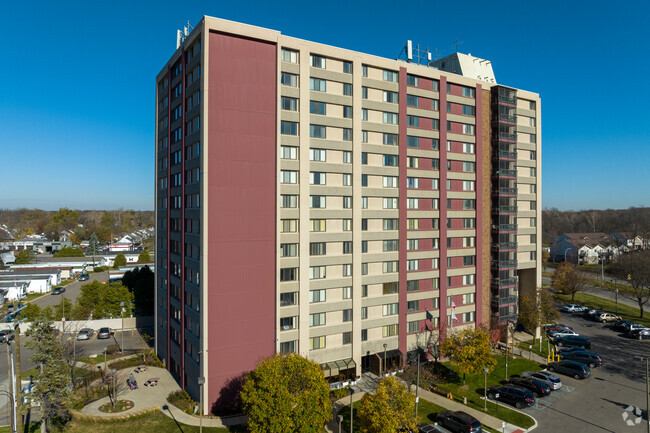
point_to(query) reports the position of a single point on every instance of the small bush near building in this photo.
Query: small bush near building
(99, 268)
(182, 400)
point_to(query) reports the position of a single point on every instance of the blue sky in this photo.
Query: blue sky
(77, 105)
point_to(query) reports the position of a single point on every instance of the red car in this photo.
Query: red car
(556, 327)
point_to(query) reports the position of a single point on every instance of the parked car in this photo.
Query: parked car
(556, 327)
(560, 333)
(572, 349)
(621, 325)
(6, 334)
(457, 422)
(639, 334)
(537, 387)
(84, 277)
(608, 317)
(550, 379)
(572, 308)
(634, 326)
(515, 395)
(572, 340)
(592, 314)
(103, 333)
(588, 358)
(85, 334)
(58, 290)
(428, 428)
(574, 369)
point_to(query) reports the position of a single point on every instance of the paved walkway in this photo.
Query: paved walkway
(155, 397)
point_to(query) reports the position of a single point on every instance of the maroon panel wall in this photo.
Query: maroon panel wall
(402, 212)
(443, 203)
(479, 205)
(240, 305)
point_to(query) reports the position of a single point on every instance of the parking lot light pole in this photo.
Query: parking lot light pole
(485, 372)
(340, 419)
(122, 314)
(647, 395)
(616, 291)
(201, 383)
(351, 409)
(385, 366)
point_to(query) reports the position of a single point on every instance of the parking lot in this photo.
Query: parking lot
(599, 403)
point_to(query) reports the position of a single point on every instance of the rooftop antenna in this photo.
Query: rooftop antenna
(181, 35)
(415, 54)
(457, 43)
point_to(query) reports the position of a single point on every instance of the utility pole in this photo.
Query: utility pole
(19, 420)
(11, 394)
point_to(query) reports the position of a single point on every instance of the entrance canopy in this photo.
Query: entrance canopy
(334, 368)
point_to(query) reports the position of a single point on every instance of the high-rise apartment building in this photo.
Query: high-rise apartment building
(333, 203)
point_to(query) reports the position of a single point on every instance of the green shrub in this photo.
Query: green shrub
(99, 268)
(337, 394)
(182, 400)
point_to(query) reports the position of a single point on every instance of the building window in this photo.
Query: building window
(468, 317)
(289, 104)
(364, 92)
(469, 167)
(390, 76)
(364, 268)
(390, 118)
(391, 97)
(288, 226)
(412, 121)
(364, 70)
(389, 330)
(288, 176)
(412, 101)
(390, 160)
(468, 298)
(317, 225)
(468, 110)
(347, 202)
(390, 139)
(317, 202)
(316, 296)
(435, 124)
(390, 202)
(347, 112)
(347, 179)
(289, 347)
(347, 292)
(287, 323)
(317, 343)
(347, 337)
(412, 80)
(288, 152)
(347, 225)
(317, 84)
(412, 286)
(364, 313)
(288, 128)
(317, 248)
(347, 270)
(319, 155)
(287, 299)
(317, 61)
(389, 267)
(364, 224)
(316, 107)
(412, 306)
(468, 129)
(347, 157)
(468, 91)
(288, 79)
(288, 250)
(347, 67)
(316, 272)
(347, 247)
(390, 245)
(412, 203)
(364, 202)
(412, 162)
(413, 327)
(391, 224)
(289, 56)
(469, 260)
(289, 274)
(317, 131)
(317, 319)
(390, 309)
(347, 89)
(289, 201)
(317, 178)
(412, 224)
(412, 244)
(347, 315)
(412, 141)
(412, 265)
(347, 134)
(364, 335)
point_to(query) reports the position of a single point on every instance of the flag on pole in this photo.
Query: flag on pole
(453, 315)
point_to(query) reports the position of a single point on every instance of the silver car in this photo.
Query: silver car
(85, 334)
(549, 379)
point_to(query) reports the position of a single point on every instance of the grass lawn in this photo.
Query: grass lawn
(474, 387)
(158, 423)
(535, 343)
(625, 311)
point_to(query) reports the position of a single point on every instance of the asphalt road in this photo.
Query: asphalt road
(72, 291)
(599, 403)
(602, 293)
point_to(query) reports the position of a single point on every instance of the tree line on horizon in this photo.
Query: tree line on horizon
(634, 220)
(83, 223)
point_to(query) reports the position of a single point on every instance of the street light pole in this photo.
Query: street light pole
(385, 366)
(647, 391)
(11, 396)
(417, 387)
(201, 382)
(122, 314)
(485, 371)
(351, 410)
(616, 300)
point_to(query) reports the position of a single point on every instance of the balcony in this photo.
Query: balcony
(504, 210)
(504, 118)
(504, 283)
(504, 136)
(500, 154)
(504, 264)
(505, 174)
(505, 100)
(505, 192)
(505, 228)
(504, 247)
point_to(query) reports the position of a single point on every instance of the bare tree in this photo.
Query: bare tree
(635, 268)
